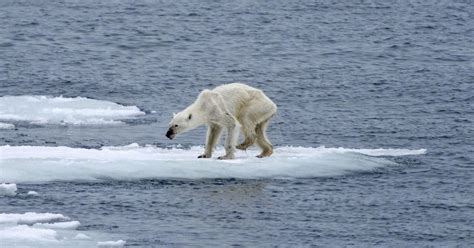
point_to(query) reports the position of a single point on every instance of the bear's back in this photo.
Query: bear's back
(233, 87)
(238, 95)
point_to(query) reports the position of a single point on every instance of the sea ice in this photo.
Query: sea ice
(82, 236)
(47, 230)
(118, 243)
(44, 164)
(6, 125)
(7, 189)
(21, 233)
(59, 225)
(63, 110)
(32, 193)
(31, 218)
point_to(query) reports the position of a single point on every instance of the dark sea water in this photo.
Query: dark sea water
(352, 74)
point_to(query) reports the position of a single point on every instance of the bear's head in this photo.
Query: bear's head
(182, 122)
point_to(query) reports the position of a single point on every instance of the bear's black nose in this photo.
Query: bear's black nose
(170, 134)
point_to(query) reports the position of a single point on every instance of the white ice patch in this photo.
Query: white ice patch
(8, 189)
(31, 218)
(63, 110)
(6, 125)
(26, 234)
(44, 164)
(45, 230)
(59, 225)
(118, 243)
(32, 193)
(82, 236)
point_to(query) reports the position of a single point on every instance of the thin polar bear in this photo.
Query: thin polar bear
(227, 107)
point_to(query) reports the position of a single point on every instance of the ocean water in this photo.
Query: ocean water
(374, 136)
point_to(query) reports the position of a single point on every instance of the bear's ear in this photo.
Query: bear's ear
(174, 115)
(190, 116)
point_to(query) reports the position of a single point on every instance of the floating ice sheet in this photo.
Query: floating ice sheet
(6, 125)
(118, 243)
(32, 193)
(63, 110)
(59, 225)
(31, 218)
(43, 164)
(25, 234)
(47, 230)
(8, 189)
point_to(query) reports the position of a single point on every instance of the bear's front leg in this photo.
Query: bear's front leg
(231, 140)
(213, 134)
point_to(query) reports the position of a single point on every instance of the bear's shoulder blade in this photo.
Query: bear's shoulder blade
(207, 94)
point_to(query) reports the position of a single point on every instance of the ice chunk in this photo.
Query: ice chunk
(32, 193)
(46, 230)
(17, 234)
(118, 243)
(43, 164)
(31, 218)
(63, 110)
(370, 152)
(7, 189)
(82, 236)
(59, 225)
(6, 125)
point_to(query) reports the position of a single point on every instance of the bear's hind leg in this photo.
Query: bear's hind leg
(249, 137)
(262, 141)
(248, 129)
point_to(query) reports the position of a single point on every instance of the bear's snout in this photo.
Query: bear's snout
(170, 134)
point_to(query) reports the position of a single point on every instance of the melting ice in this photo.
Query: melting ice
(47, 230)
(62, 110)
(43, 164)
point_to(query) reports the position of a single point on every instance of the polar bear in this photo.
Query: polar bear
(228, 106)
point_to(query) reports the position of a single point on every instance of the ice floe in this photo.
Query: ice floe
(8, 189)
(26, 234)
(118, 243)
(32, 193)
(63, 110)
(6, 125)
(82, 236)
(31, 218)
(44, 164)
(48, 230)
(59, 225)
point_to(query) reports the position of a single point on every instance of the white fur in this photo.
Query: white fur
(227, 107)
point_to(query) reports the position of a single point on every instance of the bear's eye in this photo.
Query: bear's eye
(190, 116)
(176, 125)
